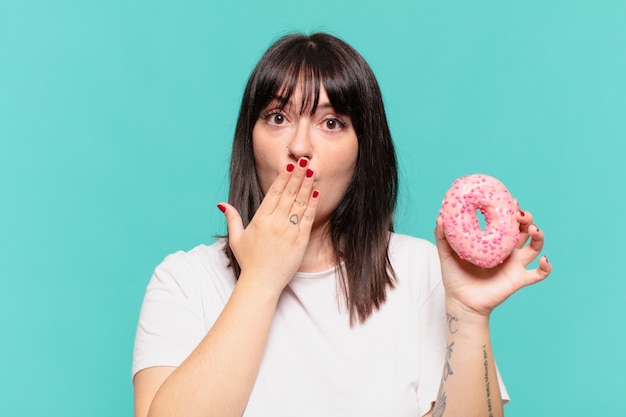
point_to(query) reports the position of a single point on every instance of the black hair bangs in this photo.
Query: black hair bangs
(297, 67)
(307, 67)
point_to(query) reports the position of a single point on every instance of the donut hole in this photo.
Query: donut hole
(482, 222)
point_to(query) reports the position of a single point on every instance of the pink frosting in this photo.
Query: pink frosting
(485, 248)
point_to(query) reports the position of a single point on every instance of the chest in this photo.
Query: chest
(317, 364)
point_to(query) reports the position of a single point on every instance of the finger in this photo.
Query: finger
(275, 192)
(532, 250)
(525, 219)
(536, 275)
(443, 247)
(233, 221)
(303, 197)
(545, 267)
(308, 216)
(292, 188)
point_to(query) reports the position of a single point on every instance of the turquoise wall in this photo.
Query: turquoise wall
(115, 125)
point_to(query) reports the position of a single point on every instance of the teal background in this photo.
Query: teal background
(115, 125)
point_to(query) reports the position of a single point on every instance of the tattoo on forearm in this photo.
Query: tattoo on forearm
(440, 403)
(452, 323)
(447, 369)
(487, 387)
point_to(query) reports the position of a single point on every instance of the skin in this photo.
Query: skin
(326, 141)
(218, 376)
(469, 386)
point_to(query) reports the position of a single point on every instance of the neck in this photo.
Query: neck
(319, 254)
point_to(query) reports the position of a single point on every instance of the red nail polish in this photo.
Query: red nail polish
(290, 167)
(303, 162)
(547, 259)
(521, 213)
(222, 207)
(309, 173)
(316, 194)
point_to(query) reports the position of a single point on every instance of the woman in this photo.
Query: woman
(311, 305)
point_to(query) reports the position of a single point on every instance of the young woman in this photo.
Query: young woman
(312, 306)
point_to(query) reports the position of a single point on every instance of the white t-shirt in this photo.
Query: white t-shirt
(314, 364)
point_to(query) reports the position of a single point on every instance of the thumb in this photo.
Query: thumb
(443, 247)
(233, 220)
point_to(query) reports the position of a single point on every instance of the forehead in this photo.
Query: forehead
(300, 98)
(303, 88)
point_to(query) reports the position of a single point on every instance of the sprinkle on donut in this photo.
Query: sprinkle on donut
(486, 247)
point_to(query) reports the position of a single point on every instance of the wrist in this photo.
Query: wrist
(258, 287)
(462, 313)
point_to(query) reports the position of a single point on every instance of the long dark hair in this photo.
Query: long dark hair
(360, 227)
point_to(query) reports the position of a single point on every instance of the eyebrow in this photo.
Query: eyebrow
(281, 99)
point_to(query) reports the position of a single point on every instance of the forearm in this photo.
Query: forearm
(469, 385)
(218, 376)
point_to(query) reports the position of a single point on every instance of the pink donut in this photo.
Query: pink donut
(485, 248)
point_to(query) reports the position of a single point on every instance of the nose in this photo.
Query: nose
(300, 144)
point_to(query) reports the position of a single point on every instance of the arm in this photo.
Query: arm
(216, 379)
(469, 385)
(218, 376)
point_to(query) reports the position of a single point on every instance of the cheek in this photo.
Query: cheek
(260, 152)
(263, 172)
(341, 175)
(349, 162)
(266, 167)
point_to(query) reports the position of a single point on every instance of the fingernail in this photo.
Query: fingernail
(309, 173)
(290, 167)
(316, 194)
(222, 207)
(521, 213)
(303, 162)
(547, 259)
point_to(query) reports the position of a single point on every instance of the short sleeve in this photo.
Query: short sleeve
(171, 323)
(432, 340)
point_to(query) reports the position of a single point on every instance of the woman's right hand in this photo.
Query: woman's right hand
(218, 376)
(271, 249)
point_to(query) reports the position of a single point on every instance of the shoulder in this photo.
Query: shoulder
(200, 257)
(415, 262)
(201, 265)
(408, 246)
(186, 293)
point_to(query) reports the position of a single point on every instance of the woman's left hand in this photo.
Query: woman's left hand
(480, 290)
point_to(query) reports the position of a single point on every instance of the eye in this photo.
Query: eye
(333, 123)
(277, 118)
